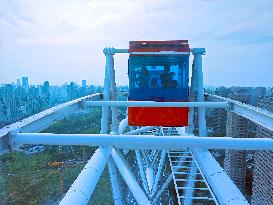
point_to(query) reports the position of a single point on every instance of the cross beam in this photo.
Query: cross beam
(149, 142)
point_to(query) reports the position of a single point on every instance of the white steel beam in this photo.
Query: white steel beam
(190, 183)
(198, 52)
(129, 178)
(148, 142)
(122, 125)
(106, 89)
(258, 115)
(155, 196)
(81, 190)
(192, 96)
(121, 50)
(141, 172)
(140, 130)
(162, 188)
(150, 177)
(115, 122)
(159, 171)
(217, 177)
(156, 104)
(116, 189)
(44, 119)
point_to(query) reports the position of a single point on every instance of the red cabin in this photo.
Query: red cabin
(158, 71)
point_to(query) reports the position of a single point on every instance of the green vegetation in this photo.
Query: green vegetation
(44, 177)
(103, 193)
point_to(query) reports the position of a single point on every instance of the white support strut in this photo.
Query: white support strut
(129, 178)
(141, 171)
(215, 175)
(198, 52)
(116, 190)
(159, 171)
(81, 190)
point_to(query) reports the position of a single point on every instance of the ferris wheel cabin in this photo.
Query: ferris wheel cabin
(158, 71)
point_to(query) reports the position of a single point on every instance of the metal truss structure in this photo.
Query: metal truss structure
(161, 154)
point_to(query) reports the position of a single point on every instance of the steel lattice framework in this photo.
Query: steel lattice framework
(197, 176)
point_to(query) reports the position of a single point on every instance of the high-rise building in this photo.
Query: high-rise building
(84, 83)
(235, 161)
(237, 126)
(18, 83)
(25, 83)
(262, 187)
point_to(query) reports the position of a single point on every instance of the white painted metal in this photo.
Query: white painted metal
(81, 190)
(140, 130)
(168, 180)
(148, 142)
(156, 104)
(181, 164)
(159, 172)
(217, 178)
(200, 90)
(257, 115)
(110, 86)
(192, 96)
(122, 125)
(115, 123)
(121, 50)
(116, 190)
(150, 177)
(162, 189)
(44, 119)
(106, 89)
(141, 172)
(190, 183)
(129, 178)
(161, 53)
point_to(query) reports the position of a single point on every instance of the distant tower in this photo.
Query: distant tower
(25, 83)
(45, 90)
(18, 83)
(84, 83)
(262, 191)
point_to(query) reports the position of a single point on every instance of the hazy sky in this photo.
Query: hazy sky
(62, 40)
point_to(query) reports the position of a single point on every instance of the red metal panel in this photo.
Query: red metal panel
(157, 46)
(158, 116)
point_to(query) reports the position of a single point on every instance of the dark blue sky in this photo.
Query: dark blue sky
(63, 40)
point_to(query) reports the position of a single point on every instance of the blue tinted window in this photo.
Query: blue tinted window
(158, 78)
(158, 72)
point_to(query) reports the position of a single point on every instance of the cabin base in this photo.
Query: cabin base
(158, 116)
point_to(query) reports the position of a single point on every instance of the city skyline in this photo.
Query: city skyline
(64, 42)
(17, 81)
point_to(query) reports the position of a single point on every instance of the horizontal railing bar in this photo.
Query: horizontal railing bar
(181, 156)
(177, 166)
(177, 173)
(156, 104)
(44, 119)
(195, 188)
(196, 198)
(186, 161)
(148, 142)
(121, 50)
(179, 152)
(186, 180)
(255, 114)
